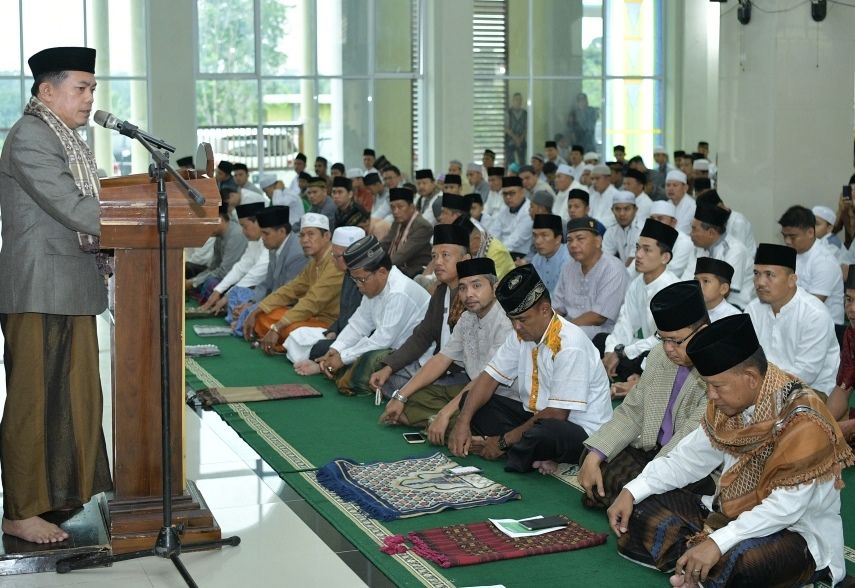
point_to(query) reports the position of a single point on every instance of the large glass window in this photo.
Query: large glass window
(116, 29)
(326, 77)
(586, 72)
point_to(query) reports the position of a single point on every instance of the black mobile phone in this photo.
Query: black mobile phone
(544, 523)
(847, 192)
(414, 438)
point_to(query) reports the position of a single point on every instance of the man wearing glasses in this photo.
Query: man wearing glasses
(392, 305)
(665, 405)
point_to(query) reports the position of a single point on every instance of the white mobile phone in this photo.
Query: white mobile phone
(414, 438)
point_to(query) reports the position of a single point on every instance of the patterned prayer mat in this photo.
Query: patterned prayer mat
(475, 543)
(388, 490)
(208, 397)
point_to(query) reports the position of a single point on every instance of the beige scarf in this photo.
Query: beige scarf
(84, 170)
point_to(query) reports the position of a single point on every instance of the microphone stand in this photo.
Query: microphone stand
(168, 543)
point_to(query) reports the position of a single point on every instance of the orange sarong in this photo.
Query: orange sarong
(265, 320)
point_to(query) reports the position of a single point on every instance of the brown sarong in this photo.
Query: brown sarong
(51, 443)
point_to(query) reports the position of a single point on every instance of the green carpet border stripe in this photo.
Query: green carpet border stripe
(415, 565)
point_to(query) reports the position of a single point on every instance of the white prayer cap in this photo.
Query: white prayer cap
(825, 213)
(664, 208)
(266, 180)
(676, 175)
(659, 149)
(346, 236)
(313, 219)
(701, 164)
(602, 170)
(354, 172)
(591, 155)
(566, 170)
(623, 197)
(474, 166)
(590, 168)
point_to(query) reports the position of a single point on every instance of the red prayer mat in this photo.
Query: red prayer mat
(474, 543)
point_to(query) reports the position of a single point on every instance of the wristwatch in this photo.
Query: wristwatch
(619, 350)
(396, 395)
(503, 445)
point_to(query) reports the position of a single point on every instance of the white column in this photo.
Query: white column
(448, 83)
(785, 111)
(171, 83)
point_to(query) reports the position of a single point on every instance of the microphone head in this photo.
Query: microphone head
(105, 119)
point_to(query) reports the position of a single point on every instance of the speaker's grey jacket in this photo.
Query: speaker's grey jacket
(42, 268)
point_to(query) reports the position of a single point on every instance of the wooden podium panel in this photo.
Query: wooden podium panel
(129, 226)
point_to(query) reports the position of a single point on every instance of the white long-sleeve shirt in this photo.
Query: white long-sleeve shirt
(685, 213)
(494, 203)
(621, 241)
(601, 205)
(734, 252)
(812, 510)
(800, 339)
(249, 271)
(819, 274)
(514, 228)
(635, 326)
(740, 227)
(722, 310)
(384, 321)
(292, 200)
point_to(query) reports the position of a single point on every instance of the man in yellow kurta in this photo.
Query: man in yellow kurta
(311, 299)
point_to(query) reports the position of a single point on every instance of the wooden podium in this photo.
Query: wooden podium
(129, 226)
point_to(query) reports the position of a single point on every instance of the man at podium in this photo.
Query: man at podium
(52, 449)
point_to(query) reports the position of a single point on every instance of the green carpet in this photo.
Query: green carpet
(296, 436)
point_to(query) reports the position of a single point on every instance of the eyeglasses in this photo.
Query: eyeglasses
(677, 342)
(361, 280)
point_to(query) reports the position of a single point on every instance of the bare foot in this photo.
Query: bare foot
(34, 530)
(545, 467)
(307, 367)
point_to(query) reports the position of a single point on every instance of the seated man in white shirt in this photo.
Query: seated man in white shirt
(620, 238)
(738, 226)
(513, 224)
(633, 335)
(676, 188)
(563, 391)
(684, 250)
(634, 181)
(494, 202)
(794, 327)
(392, 305)
(817, 268)
(250, 270)
(776, 519)
(714, 276)
(712, 240)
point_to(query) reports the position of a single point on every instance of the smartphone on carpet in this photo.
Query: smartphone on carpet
(414, 438)
(544, 523)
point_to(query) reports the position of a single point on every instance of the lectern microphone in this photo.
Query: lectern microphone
(108, 121)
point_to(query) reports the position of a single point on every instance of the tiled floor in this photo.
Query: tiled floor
(284, 541)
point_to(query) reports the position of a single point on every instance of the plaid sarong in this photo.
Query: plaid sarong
(661, 524)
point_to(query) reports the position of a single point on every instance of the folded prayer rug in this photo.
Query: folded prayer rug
(388, 490)
(469, 544)
(208, 397)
